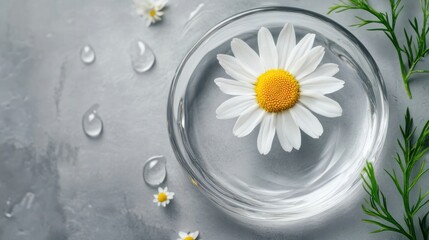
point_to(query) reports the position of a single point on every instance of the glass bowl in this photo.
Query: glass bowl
(281, 186)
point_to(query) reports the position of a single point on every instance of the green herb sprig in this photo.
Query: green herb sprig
(413, 50)
(376, 204)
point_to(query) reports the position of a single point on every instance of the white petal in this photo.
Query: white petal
(306, 121)
(284, 143)
(159, 189)
(235, 107)
(300, 50)
(233, 87)
(325, 70)
(234, 69)
(161, 4)
(285, 43)
(247, 122)
(267, 49)
(195, 234)
(170, 196)
(322, 105)
(155, 200)
(165, 190)
(248, 58)
(288, 129)
(266, 133)
(182, 234)
(159, 204)
(308, 63)
(323, 85)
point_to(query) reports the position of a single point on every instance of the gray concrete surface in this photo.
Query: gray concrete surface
(88, 189)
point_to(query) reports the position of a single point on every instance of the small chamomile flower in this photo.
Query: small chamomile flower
(163, 197)
(188, 236)
(151, 10)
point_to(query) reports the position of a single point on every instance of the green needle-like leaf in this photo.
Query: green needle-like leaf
(415, 47)
(376, 205)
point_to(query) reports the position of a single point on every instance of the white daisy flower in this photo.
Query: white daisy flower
(188, 236)
(163, 197)
(151, 10)
(278, 88)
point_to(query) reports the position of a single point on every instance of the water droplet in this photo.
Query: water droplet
(154, 171)
(193, 19)
(92, 124)
(9, 209)
(142, 57)
(14, 208)
(87, 54)
(28, 200)
(196, 11)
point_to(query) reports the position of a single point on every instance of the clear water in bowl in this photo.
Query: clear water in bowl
(280, 187)
(279, 178)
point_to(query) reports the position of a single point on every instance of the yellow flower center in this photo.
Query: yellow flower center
(188, 238)
(152, 12)
(162, 197)
(276, 90)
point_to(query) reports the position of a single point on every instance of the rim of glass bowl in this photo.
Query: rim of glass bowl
(225, 200)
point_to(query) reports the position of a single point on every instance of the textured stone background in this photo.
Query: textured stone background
(92, 189)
